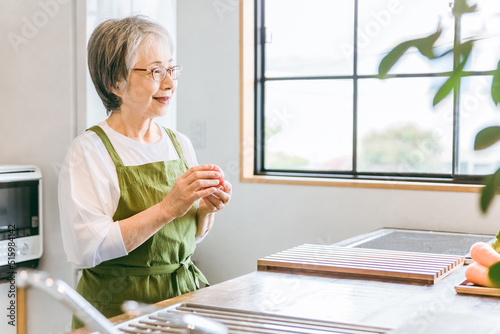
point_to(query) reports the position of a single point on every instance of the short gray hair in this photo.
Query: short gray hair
(112, 52)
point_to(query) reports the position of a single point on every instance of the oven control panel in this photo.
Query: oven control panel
(24, 249)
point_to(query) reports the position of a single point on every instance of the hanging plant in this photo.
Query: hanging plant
(461, 51)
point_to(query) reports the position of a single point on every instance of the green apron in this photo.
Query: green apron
(161, 267)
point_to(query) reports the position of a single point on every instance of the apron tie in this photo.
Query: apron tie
(187, 266)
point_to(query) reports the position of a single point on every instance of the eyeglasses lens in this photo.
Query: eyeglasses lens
(174, 72)
(160, 73)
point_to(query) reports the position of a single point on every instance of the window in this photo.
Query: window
(322, 112)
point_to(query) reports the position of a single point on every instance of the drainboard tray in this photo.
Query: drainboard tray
(335, 261)
(239, 321)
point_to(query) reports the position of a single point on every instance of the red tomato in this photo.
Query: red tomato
(221, 176)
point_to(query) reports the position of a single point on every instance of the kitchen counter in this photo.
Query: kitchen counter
(411, 307)
(373, 303)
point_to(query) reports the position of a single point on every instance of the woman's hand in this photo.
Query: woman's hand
(198, 182)
(211, 204)
(216, 201)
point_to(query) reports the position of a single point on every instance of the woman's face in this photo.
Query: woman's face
(143, 94)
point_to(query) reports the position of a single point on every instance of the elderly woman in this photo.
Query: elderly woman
(133, 201)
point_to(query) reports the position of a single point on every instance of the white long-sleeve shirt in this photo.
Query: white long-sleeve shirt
(89, 191)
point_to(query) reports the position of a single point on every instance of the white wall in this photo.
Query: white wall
(264, 218)
(37, 109)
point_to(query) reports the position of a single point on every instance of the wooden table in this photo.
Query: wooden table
(356, 301)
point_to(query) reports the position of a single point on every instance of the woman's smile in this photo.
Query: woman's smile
(162, 99)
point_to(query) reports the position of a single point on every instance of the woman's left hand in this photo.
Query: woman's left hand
(216, 201)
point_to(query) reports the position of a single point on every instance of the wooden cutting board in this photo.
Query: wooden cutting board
(336, 261)
(469, 288)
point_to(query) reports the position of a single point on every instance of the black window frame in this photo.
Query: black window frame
(259, 102)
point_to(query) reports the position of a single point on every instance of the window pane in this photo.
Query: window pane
(477, 112)
(485, 27)
(307, 37)
(383, 24)
(308, 125)
(398, 129)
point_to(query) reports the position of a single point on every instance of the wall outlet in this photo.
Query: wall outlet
(198, 133)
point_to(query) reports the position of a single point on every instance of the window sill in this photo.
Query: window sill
(373, 184)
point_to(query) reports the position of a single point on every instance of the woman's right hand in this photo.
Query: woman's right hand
(197, 182)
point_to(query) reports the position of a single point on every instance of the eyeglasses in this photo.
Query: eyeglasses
(159, 73)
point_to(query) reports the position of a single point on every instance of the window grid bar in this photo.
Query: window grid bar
(375, 76)
(259, 141)
(456, 100)
(355, 93)
(377, 176)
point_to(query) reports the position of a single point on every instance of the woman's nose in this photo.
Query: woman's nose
(168, 82)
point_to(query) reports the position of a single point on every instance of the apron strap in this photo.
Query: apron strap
(116, 158)
(175, 142)
(107, 143)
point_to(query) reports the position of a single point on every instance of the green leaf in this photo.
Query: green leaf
(461, 7)
(492, 183)
(392, 57)
(494, 273)
(449, 84)
(424, 45)
(454, 79)
(487, 137)
(464, 49)
(495, 86)
(446, 89)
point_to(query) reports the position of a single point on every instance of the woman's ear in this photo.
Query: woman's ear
(116, 90)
